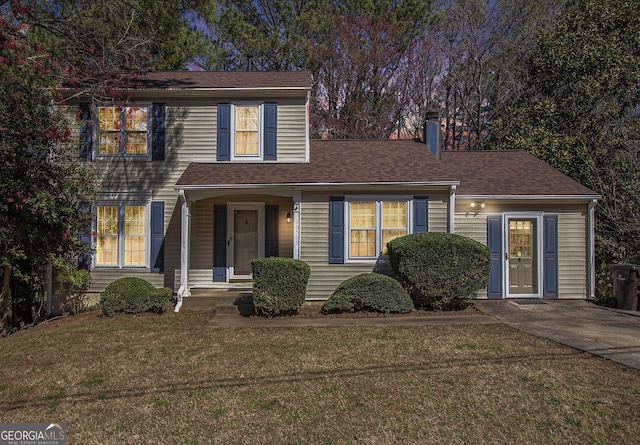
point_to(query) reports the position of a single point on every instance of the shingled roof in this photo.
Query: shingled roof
(508, 173)
(186, 80)
(488, 173)
(332, 162)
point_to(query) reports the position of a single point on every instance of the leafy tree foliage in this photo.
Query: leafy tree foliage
(116, 36)
(581, 114)
(266, 35)
(42, 182)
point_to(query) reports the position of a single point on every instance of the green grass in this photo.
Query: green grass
(173, 379)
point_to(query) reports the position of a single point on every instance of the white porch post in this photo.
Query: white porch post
(296, 224)
(452, 209)
(184, 290)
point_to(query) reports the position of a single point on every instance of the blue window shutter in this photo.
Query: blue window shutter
(270, 131)
(420, 214)
(86, 132)
(220, 243)
(158, 129)
(157, 236)
(224, 133)
(494, 241)
(270, 230)
(550, 253)
(336, 230)
(84, 261)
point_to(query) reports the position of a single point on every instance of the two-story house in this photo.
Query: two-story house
(200, 172)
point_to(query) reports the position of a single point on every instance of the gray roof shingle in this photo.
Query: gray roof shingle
(496, 173)
(185, 80)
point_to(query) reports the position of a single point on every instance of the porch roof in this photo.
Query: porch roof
(499, 173)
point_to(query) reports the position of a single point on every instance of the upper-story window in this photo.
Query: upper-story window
(122, 131)
(247, 130)
(136, 131)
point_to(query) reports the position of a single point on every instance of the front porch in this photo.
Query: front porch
(222, 231)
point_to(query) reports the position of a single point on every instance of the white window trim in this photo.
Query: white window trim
(122, 153)
(260, 155)
(147, 242)
(378, 221)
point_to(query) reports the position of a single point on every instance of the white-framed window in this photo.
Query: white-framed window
(121, 235)
(123, 130)
(372, 222)
(247, 131)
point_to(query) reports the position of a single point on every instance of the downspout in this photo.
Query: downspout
(184, 290)
(296, 224)
(591, 249)
(452, 208)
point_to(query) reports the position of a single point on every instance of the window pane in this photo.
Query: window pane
(109, 143)
(136, 143)
(247, 131)
(363, 229)
(363, 243)
(247, 143)
(109, 118)
(134, 235)
(136, 118)
(520, 240)
(107, 236)
(247, 118)
(363, 215)
(394, 221)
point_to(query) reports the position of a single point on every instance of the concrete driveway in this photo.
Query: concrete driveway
(608, 333)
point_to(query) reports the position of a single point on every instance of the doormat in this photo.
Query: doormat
(528, 302)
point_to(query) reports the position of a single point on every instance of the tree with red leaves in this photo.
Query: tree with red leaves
(42, 181)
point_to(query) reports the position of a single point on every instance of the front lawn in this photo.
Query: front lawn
(173, 379)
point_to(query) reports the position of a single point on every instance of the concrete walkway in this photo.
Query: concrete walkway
(608, 333)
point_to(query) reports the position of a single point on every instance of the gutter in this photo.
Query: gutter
(317, 184)
(529, 197)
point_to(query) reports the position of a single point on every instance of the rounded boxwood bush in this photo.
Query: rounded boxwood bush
(369, 292)
(279, 285)
(440, 270)
(132, 295)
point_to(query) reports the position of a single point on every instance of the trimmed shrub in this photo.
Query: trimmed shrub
(132, 295)
(369, 292)
(439, 270)
(279, 285)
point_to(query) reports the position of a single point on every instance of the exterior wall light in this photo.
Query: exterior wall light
(288, 217)
(475, 205)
